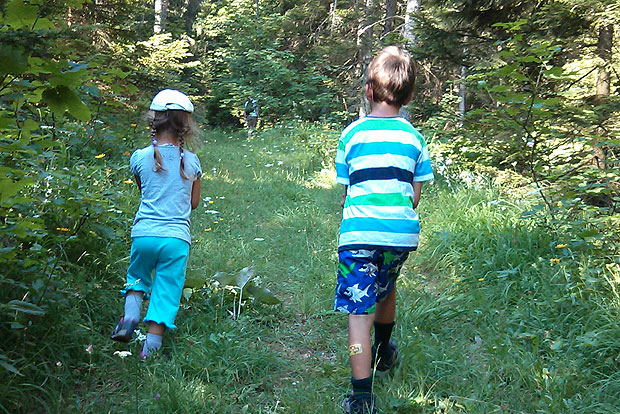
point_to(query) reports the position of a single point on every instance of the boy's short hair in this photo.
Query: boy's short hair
(391, 76)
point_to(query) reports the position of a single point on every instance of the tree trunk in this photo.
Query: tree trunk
(161, 10)
(462, 92)
(332, 12)
(390, 13)
(413, 7)
(364, 50)
(603, 83)
(462, 84)
(193, 6)
(605, 40)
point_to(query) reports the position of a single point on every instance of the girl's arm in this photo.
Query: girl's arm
(417, 190)
(195, 193)
(138, 183)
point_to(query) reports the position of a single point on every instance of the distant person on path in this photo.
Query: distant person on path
(168, 177)
(251, 114)
(382, 160)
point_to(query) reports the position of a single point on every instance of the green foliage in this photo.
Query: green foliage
(60, 202)
(517, 308)
(250, 56)
(245, 283)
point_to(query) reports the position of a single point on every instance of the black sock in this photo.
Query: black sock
(383, 332)
(362, 388)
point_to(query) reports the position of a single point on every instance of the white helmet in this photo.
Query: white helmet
(171, 99)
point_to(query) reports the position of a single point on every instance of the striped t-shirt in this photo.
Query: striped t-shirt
(379, 159)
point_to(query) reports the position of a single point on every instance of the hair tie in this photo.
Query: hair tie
(154, 141)
(182, 154)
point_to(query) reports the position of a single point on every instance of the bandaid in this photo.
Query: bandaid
(355, 349)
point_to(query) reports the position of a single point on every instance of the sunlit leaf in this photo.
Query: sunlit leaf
(245, 275)
(262, 294)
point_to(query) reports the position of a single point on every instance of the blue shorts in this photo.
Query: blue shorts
(366, 277)
(157, 267)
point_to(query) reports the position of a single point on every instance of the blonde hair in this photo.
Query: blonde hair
(181, 125)
(391, 76)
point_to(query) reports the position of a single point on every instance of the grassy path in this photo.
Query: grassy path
(492, 316)
(276, 210)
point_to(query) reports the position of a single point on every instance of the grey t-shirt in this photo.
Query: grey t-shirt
(166, 196)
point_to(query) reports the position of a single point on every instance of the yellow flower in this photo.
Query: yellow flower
(148, 127)
(215, 222)
(457, 280)
(128, 181)
(554, 260)
(481, 279)
(62, 229)
(315, 252)
(561, 246)
(133, 125)
(210, 201)
(208, 229)
(99, 156)
(127, 153)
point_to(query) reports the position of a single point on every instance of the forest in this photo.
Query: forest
(511, 303)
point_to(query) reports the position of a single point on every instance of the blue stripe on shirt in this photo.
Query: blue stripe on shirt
(342, 170)
(382, 148)
(423, 169)
(385, 173)
(382, 225)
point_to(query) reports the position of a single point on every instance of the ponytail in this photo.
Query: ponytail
(182, 155)
(156, 154)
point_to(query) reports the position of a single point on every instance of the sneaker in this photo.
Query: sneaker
(124, 330)
(362, 406)
(385, 364)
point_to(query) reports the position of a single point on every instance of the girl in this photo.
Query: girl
(168, 177)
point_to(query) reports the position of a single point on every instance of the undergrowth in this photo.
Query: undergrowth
(496, 312)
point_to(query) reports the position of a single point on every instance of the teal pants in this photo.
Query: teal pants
(157, 267)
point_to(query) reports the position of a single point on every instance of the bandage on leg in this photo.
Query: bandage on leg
(355, 349)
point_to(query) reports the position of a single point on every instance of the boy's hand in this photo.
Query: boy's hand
(344, 196)
(417, 191)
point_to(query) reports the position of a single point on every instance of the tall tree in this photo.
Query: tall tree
(161, 11)
(364, 49)
(604, 51)
(413, 9)
(193, 6)
(390, 14)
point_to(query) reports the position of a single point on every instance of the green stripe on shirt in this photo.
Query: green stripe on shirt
(379, 199)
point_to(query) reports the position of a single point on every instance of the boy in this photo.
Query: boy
(382, 160)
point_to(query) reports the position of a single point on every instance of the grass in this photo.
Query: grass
(493, 317)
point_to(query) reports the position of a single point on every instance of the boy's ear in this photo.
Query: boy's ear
(369, 93)
(408, 99)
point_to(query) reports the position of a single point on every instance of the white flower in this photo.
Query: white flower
(122, 354)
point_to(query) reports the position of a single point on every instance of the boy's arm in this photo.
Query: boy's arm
(417, 190)
(138, 183)
(344, 196)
